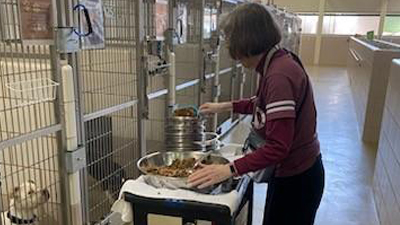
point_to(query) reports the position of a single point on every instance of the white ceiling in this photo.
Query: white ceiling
(351, 6)
(394, 6)
(299, 5)
(360, 6)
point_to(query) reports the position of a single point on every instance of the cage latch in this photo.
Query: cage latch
(69, 37)
(68, 40)
(234, 72)
(242, 77)
(216, 91)
(75, 160)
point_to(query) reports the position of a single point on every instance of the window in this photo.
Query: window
(392, 26)
(309, 24)
(298, 5)
(350, 24)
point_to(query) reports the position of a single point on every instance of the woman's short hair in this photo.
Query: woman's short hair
(250, 30)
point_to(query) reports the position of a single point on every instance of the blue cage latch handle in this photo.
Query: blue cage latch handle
(88, 21)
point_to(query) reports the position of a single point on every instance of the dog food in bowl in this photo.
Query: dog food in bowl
(185, 112)
(176, 164)
(178, 168)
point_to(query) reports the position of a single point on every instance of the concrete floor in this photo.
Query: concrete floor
(349, 163)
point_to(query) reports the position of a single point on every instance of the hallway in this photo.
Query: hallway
(349, 163)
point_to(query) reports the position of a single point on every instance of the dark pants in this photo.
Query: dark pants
(295, 200)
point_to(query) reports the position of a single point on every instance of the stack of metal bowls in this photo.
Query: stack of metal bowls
(211, 141)
(184, 133)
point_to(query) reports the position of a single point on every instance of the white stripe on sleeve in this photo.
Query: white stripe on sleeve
(281, 109)
(281, 103)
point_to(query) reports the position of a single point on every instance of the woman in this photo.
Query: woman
(284, 115)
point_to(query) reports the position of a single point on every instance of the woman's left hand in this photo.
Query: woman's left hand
(209, 175)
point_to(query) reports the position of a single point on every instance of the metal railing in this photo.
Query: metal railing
(54, 105)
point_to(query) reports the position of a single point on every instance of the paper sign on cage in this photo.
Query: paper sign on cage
(96, 39)
(27, 21)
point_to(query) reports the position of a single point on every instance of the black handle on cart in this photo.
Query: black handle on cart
(188, 210)
(191, 210)
(88, 21)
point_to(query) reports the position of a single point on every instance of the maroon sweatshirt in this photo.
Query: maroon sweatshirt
(285, 115)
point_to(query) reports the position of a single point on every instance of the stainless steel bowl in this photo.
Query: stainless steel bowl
(176, 128)
(210, 139)
(181, 133)
(187, 136)
(184, 147)
(185, 120)
(166, 158)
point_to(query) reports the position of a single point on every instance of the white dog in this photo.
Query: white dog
(24, 204)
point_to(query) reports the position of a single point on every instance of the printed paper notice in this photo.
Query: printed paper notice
(36, 20)
(96, 39)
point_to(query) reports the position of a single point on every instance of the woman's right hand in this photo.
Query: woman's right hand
(211, 108)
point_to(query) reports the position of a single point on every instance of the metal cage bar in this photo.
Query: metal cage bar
(112, 90)
(30, 172)
(30, 177)
(108, 91)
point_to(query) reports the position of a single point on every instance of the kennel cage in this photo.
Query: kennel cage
(106, 92)
(290, 25)
(107, 88)
(30, 127)
(204, 62)
(120, 105)
(233, 80)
